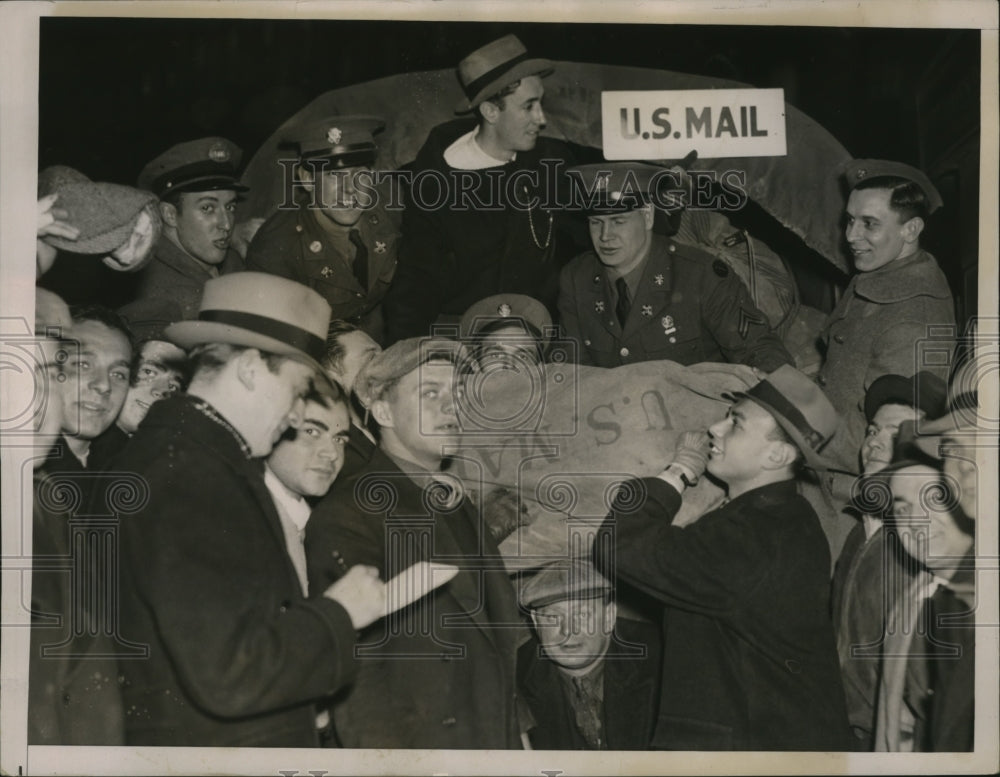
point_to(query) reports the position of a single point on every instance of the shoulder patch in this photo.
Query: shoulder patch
(720, 268)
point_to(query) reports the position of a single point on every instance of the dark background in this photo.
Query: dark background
(114, 93)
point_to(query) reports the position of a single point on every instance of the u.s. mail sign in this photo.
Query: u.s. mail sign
(714, 122)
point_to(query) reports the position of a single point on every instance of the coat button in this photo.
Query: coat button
(284, 606)
(623, 352)
(673, 248)
(839, 339)
(66, 698)
(449, 722)
(586, 342)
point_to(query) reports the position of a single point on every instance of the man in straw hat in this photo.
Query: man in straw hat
(235, 655)
(750, 661)
(440, 674)
(476, 221)
(893, 303)
(341, 240)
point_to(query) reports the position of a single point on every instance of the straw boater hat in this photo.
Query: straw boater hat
(489, 69)
(800, 408)
(259, 310)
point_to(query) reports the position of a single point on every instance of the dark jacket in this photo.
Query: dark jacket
(882, 325)
(177, 277)
(292, 244)
(631, 692)
(236, 655)
(73, 691)
(457, 253)
(441, 673)
(749, 658)
(689, 308)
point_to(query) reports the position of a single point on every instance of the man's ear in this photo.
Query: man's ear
(382, 413)
(304, 176)
(610, 616)
(648, 217)
(248, 362)
(779, 455)
(168, 212)
(912, 229)
(489, 112)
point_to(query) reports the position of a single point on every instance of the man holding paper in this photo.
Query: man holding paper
(235, 655)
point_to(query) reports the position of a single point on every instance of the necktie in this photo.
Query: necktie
(624, 304)
(360, 263)
(587, 716)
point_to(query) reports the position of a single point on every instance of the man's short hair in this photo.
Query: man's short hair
(778, 433)
(333, 358)
(905, 197)
(326, 393)
(102, 315)
(500, 98)
(180, 365)
(206, 359)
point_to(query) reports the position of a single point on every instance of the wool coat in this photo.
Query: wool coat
(441, 672)
(236, 656)
(749, 658)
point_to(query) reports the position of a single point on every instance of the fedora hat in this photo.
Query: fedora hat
(259, 310)
(799, 407)
(489, 69)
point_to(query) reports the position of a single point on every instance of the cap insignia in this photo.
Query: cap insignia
(218, 153)
(861, 172)
(333, 135)
(504, 310)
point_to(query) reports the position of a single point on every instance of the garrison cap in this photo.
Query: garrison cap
(399, 359)
(493, 312)
(923, 391)
(490, 68)
(202, 165)
(860, 170)
(614, 187)
(565, 579)
(348, 141)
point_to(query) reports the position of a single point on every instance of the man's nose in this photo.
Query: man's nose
(100, 382)
(852, 231)
(538, 114)
(296, 413)
(605, 230)
(161, 388)
(715, 430)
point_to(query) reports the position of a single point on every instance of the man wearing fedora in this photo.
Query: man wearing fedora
(490, 232)
(235, 655)
(198, 184)
(440, 674)
(890, 305)
(639, 296)
(750, 661)
(340, 240)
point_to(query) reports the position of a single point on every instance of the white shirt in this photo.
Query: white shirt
(294, 513)
(465, 154)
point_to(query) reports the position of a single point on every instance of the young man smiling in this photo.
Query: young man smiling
(749, 658)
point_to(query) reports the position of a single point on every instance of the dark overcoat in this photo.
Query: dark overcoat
(237, 657)
(440, 673)
(292, 244)
(749, 659)
(689, 308)
(898, 319)
(631, 692)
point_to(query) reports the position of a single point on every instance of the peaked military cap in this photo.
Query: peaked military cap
(500, 309)
(202, 165)
(860, 170)
(613, 187)
(346, 140)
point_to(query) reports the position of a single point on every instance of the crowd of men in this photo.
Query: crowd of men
(299, 565)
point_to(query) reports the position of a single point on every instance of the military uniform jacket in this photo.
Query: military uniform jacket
(460, 252)
(178, 277)
(236, 656)
(440, 673)
(749, 659)
(689, 308)
(875, 330)
(631, 692)
(293, 244)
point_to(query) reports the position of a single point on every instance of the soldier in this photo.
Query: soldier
(341, 240)
(638, 296)
(198, 185)
(897, 294)
(507, 330)
(492, 233)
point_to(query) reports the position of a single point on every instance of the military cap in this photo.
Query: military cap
(346, 140)
(613, 187)
(501, 309)
(399, 359)
(105, 213)
(924, 391)
(202, 165)
(490, 68)
(860, 170)
(799, 407)
(574, 578)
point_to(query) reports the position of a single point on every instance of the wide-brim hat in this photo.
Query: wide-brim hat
(105, 213)
(402, 358)
(259, 310)
(500, 309)
(799, 407)
(489, 69)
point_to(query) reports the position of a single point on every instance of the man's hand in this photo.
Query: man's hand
(366, 598)
(51, 223)
(692, 453)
